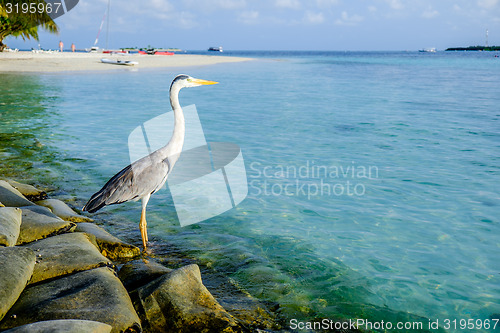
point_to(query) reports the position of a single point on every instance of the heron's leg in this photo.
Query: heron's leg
(143, 223)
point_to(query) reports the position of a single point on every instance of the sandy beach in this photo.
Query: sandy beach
(67, 61)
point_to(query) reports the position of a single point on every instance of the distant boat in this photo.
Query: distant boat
(119, 62)
(216, 49)
(432, 50)
(93, 49)
(155, 52)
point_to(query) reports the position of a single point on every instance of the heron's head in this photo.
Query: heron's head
(186, 81)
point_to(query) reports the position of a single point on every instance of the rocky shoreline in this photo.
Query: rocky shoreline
(61, 272)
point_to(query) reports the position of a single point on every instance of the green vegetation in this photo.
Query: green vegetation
(13, 22)
(474, 48)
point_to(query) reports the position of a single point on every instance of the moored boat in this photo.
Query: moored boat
(216, 49)
(431, 50)
(119, 62)
(155, 52)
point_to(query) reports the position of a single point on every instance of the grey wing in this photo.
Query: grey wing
(133, 182)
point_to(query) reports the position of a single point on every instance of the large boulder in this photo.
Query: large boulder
(38, 223)
(179, 302)
(250, 312)
(137, 273)
(29, 191)
(10, 225)
(11, 197)
(110, 246)
(65, 254)
(62, 210)
(16, 265)
(63, 326)
(95, 295)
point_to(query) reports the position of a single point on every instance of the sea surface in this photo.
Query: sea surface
(373, 176)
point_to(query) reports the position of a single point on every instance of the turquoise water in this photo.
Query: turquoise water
(373, 177)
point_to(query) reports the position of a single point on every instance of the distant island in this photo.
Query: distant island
(474, 48)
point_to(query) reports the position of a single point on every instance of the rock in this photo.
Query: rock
(10, 225)
(16, 268)
(65, 254)
(110, 246)
(250, 312)
(63, 326)
(137, 273)
(95, 295)
(11, 197)
(39, 223)
(62, 210)
(30, 192)
(179, 302)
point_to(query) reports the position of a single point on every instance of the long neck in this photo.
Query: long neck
(174, 146)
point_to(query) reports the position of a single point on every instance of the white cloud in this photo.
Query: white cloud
(162, 5)
(372, 9)
(292, 4)
(487, 3)
(430, 13)
(230, 4)
(327, 3)
(349, 20)
(395, 4)
(211, 5)
(249, 17)
(156, 9)
(313, 18)
(186, 20)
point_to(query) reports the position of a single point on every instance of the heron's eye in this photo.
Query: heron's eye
(189, 80)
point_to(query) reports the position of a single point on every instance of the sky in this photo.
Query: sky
(338, 25)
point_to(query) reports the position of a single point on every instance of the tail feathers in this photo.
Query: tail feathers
(96, 202)
(117, 190)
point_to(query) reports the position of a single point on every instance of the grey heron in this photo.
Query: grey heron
(147, 175)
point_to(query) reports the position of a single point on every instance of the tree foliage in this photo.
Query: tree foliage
(25, 25)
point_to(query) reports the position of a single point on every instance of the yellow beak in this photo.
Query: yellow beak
(204, 82)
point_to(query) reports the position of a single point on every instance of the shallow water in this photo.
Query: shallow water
(373, 177)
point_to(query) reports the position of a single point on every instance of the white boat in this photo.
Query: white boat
(119, 62)
(431, 50)
(93, 49)
(216, 49)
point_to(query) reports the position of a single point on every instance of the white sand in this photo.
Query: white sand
(68, 61)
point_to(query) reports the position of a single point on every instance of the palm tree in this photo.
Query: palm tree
(23, 25)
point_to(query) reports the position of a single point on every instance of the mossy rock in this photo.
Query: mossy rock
(10, 225)
(179, 302)
(137, 273)
(17, 265)
(38, 223)
(11, 197)
(62, 210)
(65, 254)
(95, 295)
(110, 246)
(30, 192)
(63, 326)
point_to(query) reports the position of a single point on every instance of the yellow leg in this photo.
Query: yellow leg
(143, 224)
(144, 230)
